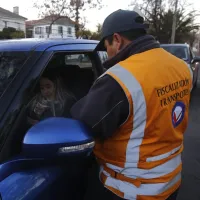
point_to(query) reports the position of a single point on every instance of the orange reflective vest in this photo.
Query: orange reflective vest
(142, 160)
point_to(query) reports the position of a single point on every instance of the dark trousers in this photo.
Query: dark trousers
(96, 190)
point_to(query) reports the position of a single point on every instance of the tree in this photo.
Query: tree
(78, 6)
(161, 19)
(97, 35)
(17, 35)
(85, 33)
(54, 9)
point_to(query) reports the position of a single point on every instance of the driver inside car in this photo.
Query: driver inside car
(53, 100)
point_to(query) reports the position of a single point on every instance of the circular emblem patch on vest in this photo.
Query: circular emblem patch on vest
(178, 113)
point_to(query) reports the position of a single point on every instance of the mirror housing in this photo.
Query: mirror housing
(195, 59)
(58, 137)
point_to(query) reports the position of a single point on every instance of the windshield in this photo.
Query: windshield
(10, 64)
(178, 51)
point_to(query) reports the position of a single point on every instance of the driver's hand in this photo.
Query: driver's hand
(32, 121)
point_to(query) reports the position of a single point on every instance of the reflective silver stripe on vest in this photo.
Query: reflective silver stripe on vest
(156, 172)
(163, 156)
(131, 192)
(139, 112)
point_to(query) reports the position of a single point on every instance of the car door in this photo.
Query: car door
(22, 178)
(194, 66)
(35, 179)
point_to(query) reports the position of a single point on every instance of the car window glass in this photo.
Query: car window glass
(10, 64)
(82, 60)
(103, 56)
(178, 51)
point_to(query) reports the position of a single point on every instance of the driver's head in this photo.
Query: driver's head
(119, 29)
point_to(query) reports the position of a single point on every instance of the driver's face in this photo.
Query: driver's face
(47, 88)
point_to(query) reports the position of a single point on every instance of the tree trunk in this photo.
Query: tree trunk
(77, 20)
(173, 36)
(49, 32)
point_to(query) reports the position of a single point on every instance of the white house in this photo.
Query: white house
(12, 19)
(63, 27)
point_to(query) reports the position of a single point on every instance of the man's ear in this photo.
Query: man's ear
(119, 41)
(117, 38)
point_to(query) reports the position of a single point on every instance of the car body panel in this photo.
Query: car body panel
(38, 44)
(29, 185)
(37, 179)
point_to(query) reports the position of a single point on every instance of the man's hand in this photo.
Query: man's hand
(32, 121)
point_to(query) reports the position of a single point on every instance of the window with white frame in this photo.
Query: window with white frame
(48, 29)
(6, 24)
(18, 26)
(69, 30)
(38, 30)
(60, 30)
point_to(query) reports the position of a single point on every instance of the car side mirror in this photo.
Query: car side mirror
(195, 59)
(58, 137)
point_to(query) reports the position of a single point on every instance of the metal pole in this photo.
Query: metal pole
(174, 23)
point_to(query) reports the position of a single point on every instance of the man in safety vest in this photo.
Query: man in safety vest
(138, 111)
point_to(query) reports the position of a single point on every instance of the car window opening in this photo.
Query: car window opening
(10, 64)
(67, 78)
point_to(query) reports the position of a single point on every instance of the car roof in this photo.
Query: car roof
(176, 45)
(39, 44)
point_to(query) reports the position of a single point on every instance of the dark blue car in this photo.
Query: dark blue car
(49, 160)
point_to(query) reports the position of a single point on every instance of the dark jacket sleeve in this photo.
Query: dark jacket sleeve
(104, 108)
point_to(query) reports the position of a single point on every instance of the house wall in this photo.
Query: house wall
(11, 22)
(55, 31)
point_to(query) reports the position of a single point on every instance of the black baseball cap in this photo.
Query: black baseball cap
(120, 21)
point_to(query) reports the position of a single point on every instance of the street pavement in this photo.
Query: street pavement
(190, 188)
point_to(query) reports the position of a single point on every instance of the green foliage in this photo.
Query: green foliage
(11, 33)
(78, 6)
(83, 33)
(17, 35)
(97, 35)
(160, 20)
(185, 25)
(87, 34)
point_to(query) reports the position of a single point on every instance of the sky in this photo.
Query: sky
(93, 16)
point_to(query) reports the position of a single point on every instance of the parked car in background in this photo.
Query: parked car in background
(48, 161)
(184, 52)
